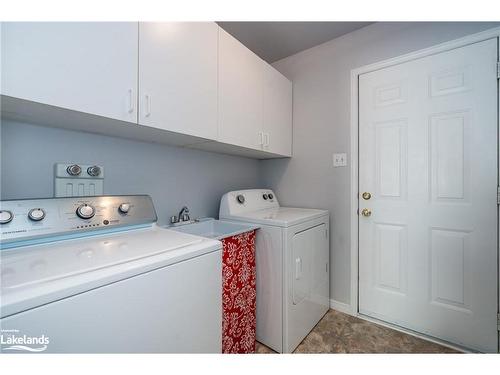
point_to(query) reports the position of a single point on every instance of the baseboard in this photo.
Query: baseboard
(341, 306)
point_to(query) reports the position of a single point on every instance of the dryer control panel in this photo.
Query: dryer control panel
(240, 201)
(31, 219)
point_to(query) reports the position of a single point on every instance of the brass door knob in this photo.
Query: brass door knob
(366, 212)
(366, 195)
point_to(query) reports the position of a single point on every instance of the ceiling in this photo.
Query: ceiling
(273, 41)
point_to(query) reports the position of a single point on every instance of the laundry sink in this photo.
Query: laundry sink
(211, 228)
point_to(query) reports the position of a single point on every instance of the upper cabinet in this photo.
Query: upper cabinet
(240, 94)
(255, 100)
(189, 83)
(178, 77)
(277, 112)
(88, 67)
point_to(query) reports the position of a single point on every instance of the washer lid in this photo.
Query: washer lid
(38, 274)
(281, 216)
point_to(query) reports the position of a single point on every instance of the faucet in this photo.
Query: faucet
(184, 214)
(183, 217)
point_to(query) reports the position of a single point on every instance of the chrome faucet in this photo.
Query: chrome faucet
(183, 217)
(184, 214)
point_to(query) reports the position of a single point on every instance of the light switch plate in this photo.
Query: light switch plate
(340, 160)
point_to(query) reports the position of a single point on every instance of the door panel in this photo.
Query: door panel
(428, 156)
(83, 66)
(178, 77)
(277, 112)
(302, 245)
(308, 278)
(240, 93)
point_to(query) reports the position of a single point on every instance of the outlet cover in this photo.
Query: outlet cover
(340, 160)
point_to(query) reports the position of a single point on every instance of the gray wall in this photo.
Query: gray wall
(172, 176)
(321, 105)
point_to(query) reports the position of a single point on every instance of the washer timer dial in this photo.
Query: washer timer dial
(85, 211)
(36, 214)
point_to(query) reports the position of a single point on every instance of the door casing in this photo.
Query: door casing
(354, 131)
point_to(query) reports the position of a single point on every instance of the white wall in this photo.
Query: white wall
(321, 102)
(172, 176)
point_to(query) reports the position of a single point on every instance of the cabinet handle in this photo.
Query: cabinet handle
(298, 268)
(148, 105)
(266, 139)
(261, 135)
(130, 101)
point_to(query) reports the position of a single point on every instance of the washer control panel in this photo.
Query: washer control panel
(29, 219)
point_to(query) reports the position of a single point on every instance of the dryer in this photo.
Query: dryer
(292, 262)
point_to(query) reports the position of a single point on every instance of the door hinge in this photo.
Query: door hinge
(498, 194)
(498, 69)
(498, 322)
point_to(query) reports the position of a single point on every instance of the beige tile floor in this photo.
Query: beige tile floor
(342, 333)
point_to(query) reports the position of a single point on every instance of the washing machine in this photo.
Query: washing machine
(98, 275)
(292, 265)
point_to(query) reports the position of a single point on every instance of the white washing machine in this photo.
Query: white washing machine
(97, 275)
(292, 255)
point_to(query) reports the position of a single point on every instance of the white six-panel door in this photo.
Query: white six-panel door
(428, 157)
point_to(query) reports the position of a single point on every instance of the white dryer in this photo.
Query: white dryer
(292, 255)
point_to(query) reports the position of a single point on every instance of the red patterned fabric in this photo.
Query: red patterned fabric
(238, 293)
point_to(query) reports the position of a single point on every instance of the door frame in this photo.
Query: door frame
(354, 138)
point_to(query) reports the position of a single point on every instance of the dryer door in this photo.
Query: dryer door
(302, 245)
(307, 289)
(308, 262)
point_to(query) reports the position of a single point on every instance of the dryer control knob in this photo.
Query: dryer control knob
(240, 198)
(36, 214)
(270, 196)
(85, 211)
(265, 196)
(6, 216)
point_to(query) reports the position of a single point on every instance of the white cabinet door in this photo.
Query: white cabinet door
(240, 93)
(84, 66)
(428, 155)
(277, 104)
(178, 77)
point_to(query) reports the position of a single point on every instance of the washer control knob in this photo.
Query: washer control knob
(94, 171)
(265, 196)
(124, 207)
(6, 216)
(240, 198)
(74, 170)
(36, 214)
(270, 196)
(85, 211)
